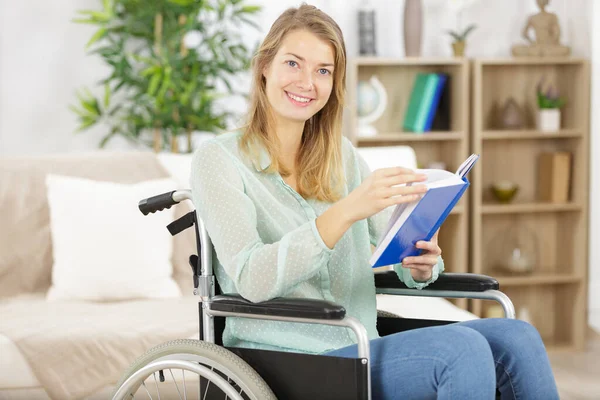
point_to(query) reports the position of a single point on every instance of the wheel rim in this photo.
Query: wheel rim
(192, 364)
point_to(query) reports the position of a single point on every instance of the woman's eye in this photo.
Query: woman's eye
(292, 63)
(324, 71)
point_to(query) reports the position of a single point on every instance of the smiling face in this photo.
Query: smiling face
(299, 80)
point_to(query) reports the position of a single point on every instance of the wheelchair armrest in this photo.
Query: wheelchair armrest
(279, 307)
(463, 282)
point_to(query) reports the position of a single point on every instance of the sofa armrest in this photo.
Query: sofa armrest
(463, 282)
(279, 307)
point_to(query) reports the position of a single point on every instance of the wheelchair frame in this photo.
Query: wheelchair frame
(214, 307)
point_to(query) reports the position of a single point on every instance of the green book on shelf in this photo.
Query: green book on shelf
(419, 102)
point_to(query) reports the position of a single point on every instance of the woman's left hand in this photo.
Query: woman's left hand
(421, 266)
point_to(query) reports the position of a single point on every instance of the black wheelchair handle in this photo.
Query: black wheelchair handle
(157, 203)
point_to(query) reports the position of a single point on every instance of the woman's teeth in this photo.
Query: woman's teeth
(299, 99)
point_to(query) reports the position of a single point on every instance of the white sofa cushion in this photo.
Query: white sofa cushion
(104, 248)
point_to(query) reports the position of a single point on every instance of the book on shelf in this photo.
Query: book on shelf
(420, 219)
(424, 104)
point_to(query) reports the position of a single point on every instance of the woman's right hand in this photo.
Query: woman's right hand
(379, 191)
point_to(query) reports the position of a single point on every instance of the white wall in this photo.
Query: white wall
(42, 58)
(42, 62)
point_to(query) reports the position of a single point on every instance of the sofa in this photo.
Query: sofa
(74, 341)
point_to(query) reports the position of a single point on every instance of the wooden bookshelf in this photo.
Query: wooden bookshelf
(450, 147)
(555, 292)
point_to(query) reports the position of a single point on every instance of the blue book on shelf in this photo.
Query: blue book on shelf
(435, 100)
(423, 89)
(419, 220)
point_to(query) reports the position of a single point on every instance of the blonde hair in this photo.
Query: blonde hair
(320, 171)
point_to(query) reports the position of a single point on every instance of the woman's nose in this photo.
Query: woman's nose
(306, 81)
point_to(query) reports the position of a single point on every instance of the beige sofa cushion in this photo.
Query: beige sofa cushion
(25, 237)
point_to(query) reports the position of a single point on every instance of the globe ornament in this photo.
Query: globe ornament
(372, 102)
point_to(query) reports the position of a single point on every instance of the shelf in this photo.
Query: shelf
(528, 208)
(535, 279)
(531, 61)
(457, 210)
(406, 61)
(411, 137)
(529, 134)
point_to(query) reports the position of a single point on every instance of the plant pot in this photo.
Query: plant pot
(548, 119)
(459, 48)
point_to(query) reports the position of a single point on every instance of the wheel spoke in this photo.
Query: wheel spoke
(184, 388)
(207, 385)
(176, 386)
(144, 385)
(156, 383)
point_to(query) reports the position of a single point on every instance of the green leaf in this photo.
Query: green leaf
(150, 70)
(106, 95)
(154, 82)
(86, 123)
(106, 138)
(82, 113)
(100, 33)
(107, 4)
(182, 2)
(250, 9)
(98, 16)
(84, 21)
(467, 31)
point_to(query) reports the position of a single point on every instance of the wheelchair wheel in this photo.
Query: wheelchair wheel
(191, 369)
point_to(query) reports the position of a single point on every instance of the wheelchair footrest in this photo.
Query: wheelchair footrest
(463, 282)
(279, 307)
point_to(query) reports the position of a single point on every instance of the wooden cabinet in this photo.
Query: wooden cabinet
(481, 233)
(450, 147)
(552, 236)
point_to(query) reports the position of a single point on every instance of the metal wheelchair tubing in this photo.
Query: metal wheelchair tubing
(187, 365)
(496, 295)
(359, 330)
(355, 325)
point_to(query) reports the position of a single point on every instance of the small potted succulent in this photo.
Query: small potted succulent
(460, 39)
(549, 103)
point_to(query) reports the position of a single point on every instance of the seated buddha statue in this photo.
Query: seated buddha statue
(547, 35)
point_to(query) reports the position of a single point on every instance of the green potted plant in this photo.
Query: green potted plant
(549, 103)
(460, 40)
(168, 60)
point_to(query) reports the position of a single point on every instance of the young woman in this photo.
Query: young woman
(292, 210)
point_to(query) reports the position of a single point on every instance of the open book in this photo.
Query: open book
(420, 219)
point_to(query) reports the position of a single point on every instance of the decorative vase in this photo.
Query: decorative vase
(512, 115)
(517, 250)
(413, 27)
(459, 48)
(548, 119)
(366, 30)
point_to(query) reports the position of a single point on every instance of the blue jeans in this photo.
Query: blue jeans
(464, 360)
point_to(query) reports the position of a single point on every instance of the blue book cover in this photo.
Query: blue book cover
(420, 219)
(435, 101)
(426, 101)
(418, 103)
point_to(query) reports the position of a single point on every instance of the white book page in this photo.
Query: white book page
(440, 178)
(395, 215)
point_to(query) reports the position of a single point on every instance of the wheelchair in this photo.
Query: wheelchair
(219, 372)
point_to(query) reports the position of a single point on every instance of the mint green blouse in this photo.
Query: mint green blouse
(267, 245)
